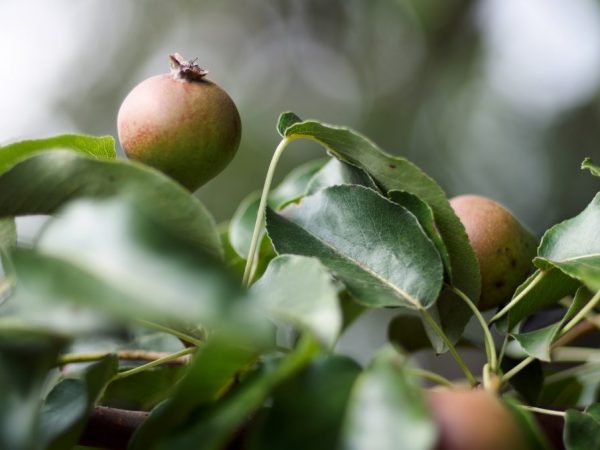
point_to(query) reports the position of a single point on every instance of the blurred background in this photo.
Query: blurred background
(497, 97)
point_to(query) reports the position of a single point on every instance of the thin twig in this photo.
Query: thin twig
(130, 355)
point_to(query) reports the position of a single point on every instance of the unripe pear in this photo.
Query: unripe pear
(181, 124)
(504, 248)
(470, 419)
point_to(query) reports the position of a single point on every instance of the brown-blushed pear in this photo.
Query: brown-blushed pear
(504, 247)
(181, 124)
(473, 419)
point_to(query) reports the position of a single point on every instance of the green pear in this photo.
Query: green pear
(181, 124)
(503, 246)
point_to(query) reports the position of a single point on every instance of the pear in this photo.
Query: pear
(181, 124)
(469, 419)
(504, 247)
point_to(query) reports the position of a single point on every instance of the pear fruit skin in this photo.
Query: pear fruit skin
(503, 246)
(470, 419)
(187, 129)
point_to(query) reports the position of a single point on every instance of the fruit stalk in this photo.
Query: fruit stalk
(260, 214)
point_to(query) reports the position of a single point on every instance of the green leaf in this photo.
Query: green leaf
(424, 215)
(582, 429)
(573, 246)
(337, 172)
(308, 409)
(377, 248)
(112, 255)
(211, 371)
(45, 182)
(387, 409)
(536, 440)
(99, 147)
(589, 165)
(408, 332)
(144, 390)
(232, 260)
(300, 291)
(528, 382)
(68, 405)
(216, 425)
(242, 223)
(396, 173)
(25, 360)
(295, 183)
(538, 343)
(8, 233)
(286, 120)
(552, 287)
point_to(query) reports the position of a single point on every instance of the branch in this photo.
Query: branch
(111, 428)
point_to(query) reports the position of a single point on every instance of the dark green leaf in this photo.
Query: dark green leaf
(535, 438)
(45, 182)
(374, 246)
(408, 332)
(100, 147)
(144, 390)
(68, 405)
(211, 371)
(337, 172)
(300, 291)
(424, 215)
(25, 359)
(528, 382)
(573, 246)
(396, 173)
(215, 426)
(564, 392)
(286, 120)
(589, 165)
(308, 409)
(387, 409)
(538, 343)
(582, 429)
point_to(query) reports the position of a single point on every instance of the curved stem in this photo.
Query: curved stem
(549, 412)
(490, 347)
(515, 370)
(433, 324)
(503, 350)
(183, 336)
(431, 376)
(260, 214)
(518, 298)
(156, 362)
(576, 330)
(581, 314)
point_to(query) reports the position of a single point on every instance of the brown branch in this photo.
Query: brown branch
(111, 428)
(584, 327)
